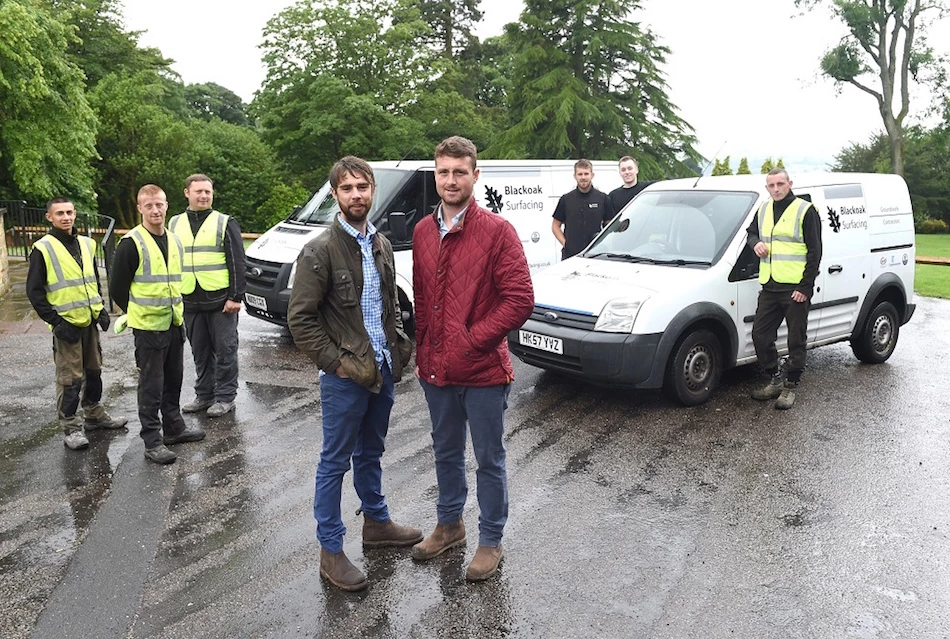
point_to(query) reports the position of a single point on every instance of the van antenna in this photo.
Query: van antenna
(407, 154)
(710, 161)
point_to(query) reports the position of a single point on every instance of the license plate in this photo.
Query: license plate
(541, 342)
(256, 301)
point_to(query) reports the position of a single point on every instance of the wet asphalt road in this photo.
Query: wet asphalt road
(630, 516)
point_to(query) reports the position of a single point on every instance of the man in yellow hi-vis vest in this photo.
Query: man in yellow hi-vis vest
(786, 236)
(213, 287)
(63, 287)
(146, 281)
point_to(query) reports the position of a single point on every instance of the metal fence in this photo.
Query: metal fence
(25, 224)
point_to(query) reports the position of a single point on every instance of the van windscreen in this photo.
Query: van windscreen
(680, 228)
(322, 208)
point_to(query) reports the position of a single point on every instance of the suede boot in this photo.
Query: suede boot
(484, 563)
(337, 569)
(384, 534)
(441, 539)
(771, 390)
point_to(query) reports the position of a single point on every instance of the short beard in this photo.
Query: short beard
(352, 218)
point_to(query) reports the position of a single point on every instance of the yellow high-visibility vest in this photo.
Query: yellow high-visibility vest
(785, 262)
(70, 288)
(205, 262)
(155, 294)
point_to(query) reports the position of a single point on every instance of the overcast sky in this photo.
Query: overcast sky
(743, 72)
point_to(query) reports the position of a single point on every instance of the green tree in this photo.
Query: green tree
(780, 164)
(279, 204)
(723, 168)
(372, 48)
(242, 166)
(102, 45)
(588, 83)
(140, 141)
(47, 128)
(210, 100)
(767, 165)
(743, 167)
(884, 53)
(450, 23)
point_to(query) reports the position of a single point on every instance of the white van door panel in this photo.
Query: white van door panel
(844, 263)
(521, 196)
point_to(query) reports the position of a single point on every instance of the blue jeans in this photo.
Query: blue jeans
(355, 423)
(484, 409)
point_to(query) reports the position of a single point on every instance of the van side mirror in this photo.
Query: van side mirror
(397, 226)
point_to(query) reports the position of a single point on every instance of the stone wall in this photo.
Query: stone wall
(4, 258)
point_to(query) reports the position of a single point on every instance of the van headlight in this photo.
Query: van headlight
(293, 275)
(618, 316)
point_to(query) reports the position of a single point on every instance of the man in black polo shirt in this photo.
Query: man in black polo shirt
(629, 170)
(581, 213)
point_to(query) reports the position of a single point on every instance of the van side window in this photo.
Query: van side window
(417, 199)
(747, 266)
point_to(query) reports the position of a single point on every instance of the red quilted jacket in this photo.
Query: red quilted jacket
(471, 289)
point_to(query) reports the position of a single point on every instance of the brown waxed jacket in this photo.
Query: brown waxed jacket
(325, 317)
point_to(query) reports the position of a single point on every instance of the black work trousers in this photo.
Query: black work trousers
(159, 357)
(773, 307)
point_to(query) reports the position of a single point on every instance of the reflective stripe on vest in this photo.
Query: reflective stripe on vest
(155, 294)
(785, 262)
(205, 262)
(70, 288)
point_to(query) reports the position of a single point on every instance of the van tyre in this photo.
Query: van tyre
(695, 368)
(878, 338)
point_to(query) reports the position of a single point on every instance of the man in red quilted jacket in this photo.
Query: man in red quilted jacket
(472, 286)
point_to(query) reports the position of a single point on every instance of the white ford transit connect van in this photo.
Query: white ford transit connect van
(666, 294)
(523, 191)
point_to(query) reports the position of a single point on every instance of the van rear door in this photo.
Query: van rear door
(522, 195)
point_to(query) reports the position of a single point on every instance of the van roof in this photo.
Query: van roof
(756, 182)
(414, 165)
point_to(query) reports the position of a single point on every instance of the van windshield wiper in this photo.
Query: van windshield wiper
(626, 257)
(682, 262)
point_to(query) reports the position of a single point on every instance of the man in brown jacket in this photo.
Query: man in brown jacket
(344, 313)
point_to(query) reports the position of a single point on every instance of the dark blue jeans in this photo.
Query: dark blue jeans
(450, 407)
(355, 423)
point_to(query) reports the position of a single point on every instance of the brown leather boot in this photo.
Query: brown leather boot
(484, 563)
(384, 534)
(441, 539)
(337, 569)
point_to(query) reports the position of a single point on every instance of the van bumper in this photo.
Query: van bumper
(267, 296)
(611, 359)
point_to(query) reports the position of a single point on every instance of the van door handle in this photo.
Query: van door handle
(835, 268)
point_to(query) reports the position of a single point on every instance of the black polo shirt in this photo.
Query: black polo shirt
(583, 215)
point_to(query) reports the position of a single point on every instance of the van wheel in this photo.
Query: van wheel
(877, 340)
(694, 369)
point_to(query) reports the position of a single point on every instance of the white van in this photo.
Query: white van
(525, 192)
(664, 297)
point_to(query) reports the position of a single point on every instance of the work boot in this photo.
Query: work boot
(484, 563)
(787, 397)
(384, 534)
(160, 455)
(76, 440)
(218, 409)
(197, 406)
(187, 435)
(106, 422)
(441, 539)
(336, 568)
(771, 390)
